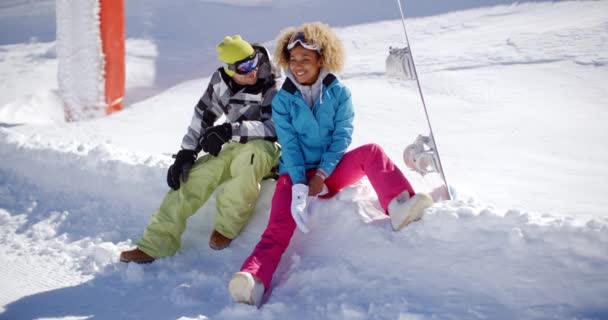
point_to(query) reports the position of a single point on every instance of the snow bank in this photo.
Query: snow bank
(463, 259)
(100, 184)
(73, 196)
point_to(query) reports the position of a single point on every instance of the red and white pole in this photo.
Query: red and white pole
(91, 55)
(112, 26)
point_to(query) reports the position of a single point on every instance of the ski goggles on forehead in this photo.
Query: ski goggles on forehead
(244, 66)
(300, 38)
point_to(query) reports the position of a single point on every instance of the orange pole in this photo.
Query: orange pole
(112, 20)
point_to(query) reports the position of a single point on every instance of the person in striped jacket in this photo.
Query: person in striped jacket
(240, 152)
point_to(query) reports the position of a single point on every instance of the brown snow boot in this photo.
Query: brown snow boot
(136, 256)
(218, 241)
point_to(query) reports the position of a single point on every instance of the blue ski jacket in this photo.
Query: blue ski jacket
(312, 137)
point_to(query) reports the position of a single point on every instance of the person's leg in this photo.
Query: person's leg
(162, 236)
(237, 197)
(370, 160)
(263, 261)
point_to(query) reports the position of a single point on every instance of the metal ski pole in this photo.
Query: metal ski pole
(426, 113)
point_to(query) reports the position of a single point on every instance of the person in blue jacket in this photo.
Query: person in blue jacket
(313, 116)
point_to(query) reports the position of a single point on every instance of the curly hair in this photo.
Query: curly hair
(333, 54)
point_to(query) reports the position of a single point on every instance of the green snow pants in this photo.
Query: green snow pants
(238, 168)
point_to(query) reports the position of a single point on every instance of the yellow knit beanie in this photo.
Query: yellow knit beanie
(233, 49)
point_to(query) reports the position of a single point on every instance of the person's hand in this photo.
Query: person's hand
(184, 160)
(315, 185)
(215, 137)
(299, 211)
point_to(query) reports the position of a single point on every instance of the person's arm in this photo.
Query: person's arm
(206, 112)
(291, 153)
(257, 129)
(342, 135)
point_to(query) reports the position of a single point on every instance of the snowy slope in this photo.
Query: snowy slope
(527, 238)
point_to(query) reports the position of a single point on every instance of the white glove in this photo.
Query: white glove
(299, 210)
(324, 191)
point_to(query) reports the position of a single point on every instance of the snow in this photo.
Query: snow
(517, 98)
(81, 59)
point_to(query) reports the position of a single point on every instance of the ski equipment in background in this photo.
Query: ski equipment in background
(421, 156)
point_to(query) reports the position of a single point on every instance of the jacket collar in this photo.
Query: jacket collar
(291, 85)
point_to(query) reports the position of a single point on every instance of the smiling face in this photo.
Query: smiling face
(304, 64)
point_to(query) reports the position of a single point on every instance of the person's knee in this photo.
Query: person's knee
(373, 149)
(254, 153)
(258, 147)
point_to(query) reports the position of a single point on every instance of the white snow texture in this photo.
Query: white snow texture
(517, 95)
(81, 59)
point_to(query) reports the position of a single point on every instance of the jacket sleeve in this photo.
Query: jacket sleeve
(207, 110)
(262, 128)
(292, 158)
(343, 132)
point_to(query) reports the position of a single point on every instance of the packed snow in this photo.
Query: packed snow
(516, 94)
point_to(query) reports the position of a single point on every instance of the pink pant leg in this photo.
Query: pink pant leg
(370, 160)
(266, 256)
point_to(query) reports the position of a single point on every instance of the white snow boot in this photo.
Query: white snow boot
(244, 288)
(403, 210)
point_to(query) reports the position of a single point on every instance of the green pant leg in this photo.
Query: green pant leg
(237, 197)
(162, 236)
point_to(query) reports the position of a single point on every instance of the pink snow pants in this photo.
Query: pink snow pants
(386, 179)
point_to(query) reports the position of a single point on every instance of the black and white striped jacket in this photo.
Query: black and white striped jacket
(247, 108)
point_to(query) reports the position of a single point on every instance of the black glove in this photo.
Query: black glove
(215, 137)
(184, 160)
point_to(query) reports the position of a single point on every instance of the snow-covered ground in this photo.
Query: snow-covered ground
(517, 95)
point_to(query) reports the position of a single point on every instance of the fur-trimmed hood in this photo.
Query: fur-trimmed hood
(333, 55)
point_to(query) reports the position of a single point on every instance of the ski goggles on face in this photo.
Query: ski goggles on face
(244, 66)
(300, 38)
